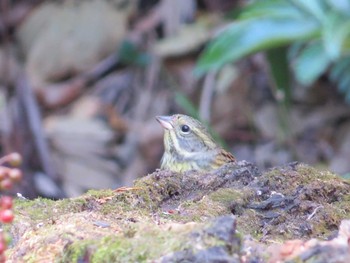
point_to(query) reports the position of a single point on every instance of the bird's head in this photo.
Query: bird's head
(185, 135)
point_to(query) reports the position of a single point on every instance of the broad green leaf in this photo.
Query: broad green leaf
(315, 8)
(270, 8)
(336, 31)
(244, 38)
(279, 71)
(295, 49)
(311, 63)
(341, 6)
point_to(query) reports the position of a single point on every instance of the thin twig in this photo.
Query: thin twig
(314, 212)
(30, 105)
(207, 96)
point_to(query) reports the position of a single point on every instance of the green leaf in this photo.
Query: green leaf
(295, 49)
(341, 6)
(336, 31)
(130, 54)
(279, 71)
(315, 8)
(270, 8)
(311, 63)
(243, 38)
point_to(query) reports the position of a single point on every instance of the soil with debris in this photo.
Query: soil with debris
(233, 214)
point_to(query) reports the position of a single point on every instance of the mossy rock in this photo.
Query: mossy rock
(170, 217)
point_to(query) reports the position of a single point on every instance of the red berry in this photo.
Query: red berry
(3, 247)
(6, 202)
(15, 175)
(6, 216)
(3, 172)
(6, 184)
(2, 258)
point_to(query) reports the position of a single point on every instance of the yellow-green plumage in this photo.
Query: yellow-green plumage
(188, 146)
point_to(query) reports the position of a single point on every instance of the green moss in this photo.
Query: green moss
(99, 193)
(146, 243)
(249, 223)
(287, 180)
(37, 209)
(215, 204)
(310, 173)
(343, 207)
(226, 196)
(328, 219)
(71, 205)
(76, 251)
(153, 191)
(42, 208)
(109, 208)
(124, 203)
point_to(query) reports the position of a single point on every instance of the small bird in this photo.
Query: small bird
(189, 146)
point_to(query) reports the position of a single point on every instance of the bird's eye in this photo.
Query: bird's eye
(185, 128)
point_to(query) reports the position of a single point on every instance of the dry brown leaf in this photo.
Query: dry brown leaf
(104, 199)
(126, 189)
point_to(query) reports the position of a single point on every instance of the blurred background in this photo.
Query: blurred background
(82, 80)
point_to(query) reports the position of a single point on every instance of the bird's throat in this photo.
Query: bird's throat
(175, 149)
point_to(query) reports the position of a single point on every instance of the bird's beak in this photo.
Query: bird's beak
(166, 122)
